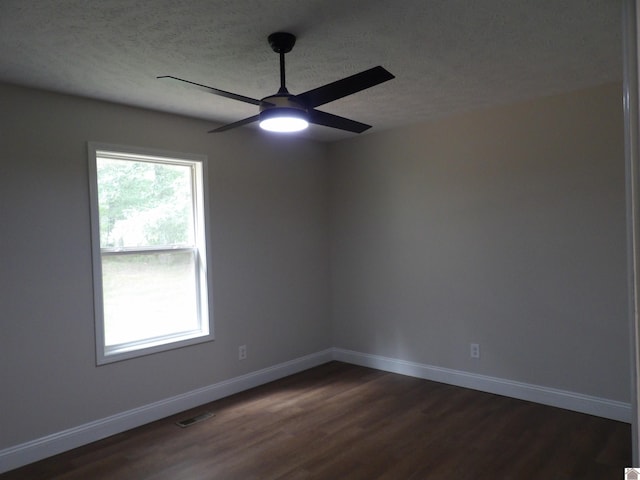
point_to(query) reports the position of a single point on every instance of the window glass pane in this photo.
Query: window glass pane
(148, 214)
(144, 203)
(149, 295)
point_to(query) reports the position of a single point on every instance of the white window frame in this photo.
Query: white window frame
(108, 354)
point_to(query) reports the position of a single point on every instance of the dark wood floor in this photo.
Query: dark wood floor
(340, 421)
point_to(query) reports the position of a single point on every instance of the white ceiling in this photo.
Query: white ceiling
(448, 55)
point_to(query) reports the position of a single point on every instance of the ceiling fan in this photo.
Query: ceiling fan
(285, 112)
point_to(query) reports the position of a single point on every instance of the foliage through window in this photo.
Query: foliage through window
(150, 264)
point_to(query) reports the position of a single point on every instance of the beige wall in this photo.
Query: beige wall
(269, 243)
(504, 227)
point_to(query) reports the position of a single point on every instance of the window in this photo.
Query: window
(150, 265)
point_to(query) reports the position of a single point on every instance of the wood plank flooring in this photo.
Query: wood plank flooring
(341, 421)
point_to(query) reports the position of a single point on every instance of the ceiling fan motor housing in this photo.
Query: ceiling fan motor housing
(282, 104)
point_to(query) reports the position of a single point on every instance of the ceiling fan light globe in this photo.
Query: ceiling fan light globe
(284, 124)
(283, 120)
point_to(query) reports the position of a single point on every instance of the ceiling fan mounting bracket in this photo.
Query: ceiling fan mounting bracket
(282, 42)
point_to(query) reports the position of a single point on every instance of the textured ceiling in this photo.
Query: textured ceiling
(448, 55)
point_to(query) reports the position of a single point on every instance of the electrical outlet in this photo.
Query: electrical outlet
(475, 350)
(242, 352)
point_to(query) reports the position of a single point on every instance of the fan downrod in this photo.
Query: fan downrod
(282, 42)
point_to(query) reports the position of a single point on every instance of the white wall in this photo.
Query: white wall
(269, 244)
(504, 227)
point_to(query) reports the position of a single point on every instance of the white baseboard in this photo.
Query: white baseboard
(577, 402)
(23, 454)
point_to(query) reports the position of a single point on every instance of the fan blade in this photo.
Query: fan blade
(239, 123)
(216, 91)
(346, 86)
(334, 121)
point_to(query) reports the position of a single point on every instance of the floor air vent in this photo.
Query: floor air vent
(198, 418)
